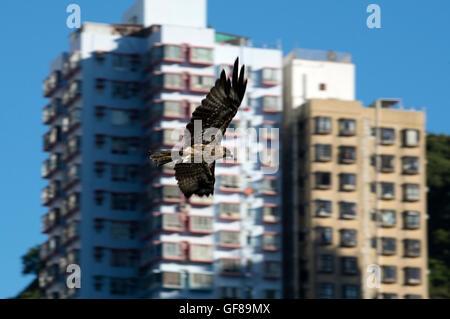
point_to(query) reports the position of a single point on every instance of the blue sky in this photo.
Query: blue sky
(409, 57)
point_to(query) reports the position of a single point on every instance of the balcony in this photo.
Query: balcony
(51, 165)
(51, 111)
(71, 176)
(71, 204)
(71, 93)
(52, 137)
(50, 220)
(271, 104)
(71, 65)
(50, 193)
(271, 76)
(70, 233)
(52, 83)
(49, 248)
(71, 121)
(71, 148)
(347, 154)
(201, 56)
(168, 222)
(165, 193)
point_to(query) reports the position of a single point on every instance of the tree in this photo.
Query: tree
(438, 180)
(32, 265)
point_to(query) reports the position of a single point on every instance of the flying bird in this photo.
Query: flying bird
(216, 111)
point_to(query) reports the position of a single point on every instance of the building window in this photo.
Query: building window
(270, 214)
(229, 292)
(201, 83)
(326, 263)
(411, 192)
(325, 235)
(169, 108)
(123, 201)
(269, 185)
(171, 279)
(172, 222)
(122, 230)
(168, 81)
(409, 296)
(411, 219)
(350, 291)
(412, 276)
(347, 154)
(272, 269)
(387, 190)
(270, 242)
(202, 55)
(167, 52)
(323, 180)
(119, 258)
(326, 291)
(385, 163)
(388, 246)
(230, 265)
(270, 76)
(348, 237)
(322, 152)
(410, 138)
(171, 192)
(171, 250)
(347, 210)
(410, 165)
(387, 218)
(120, 117)
(411, 247)
(271, 103)
(201, 223)
(98, 282)
(201, 281)
(347, 182)
(230, 210)
(349, 265)
(387, 136)
(201, 252)
(389, 274)
(230, 181)
(119, 145)
(347, 127)
(322, 208)
(322, 125)
(228, 238)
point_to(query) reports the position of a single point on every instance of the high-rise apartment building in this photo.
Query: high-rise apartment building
(122, 90)
(358, 192)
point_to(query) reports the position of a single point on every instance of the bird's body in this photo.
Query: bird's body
(195, 163)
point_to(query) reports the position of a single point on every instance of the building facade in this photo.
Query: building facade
(358, 195)
(122, 90)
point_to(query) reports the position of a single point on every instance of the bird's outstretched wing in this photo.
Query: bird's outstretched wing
(195, 178)
(220, 105)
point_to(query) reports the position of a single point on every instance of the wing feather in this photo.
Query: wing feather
(221, 104)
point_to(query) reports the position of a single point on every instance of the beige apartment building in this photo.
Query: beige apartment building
(361, 200)
(354, 186)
